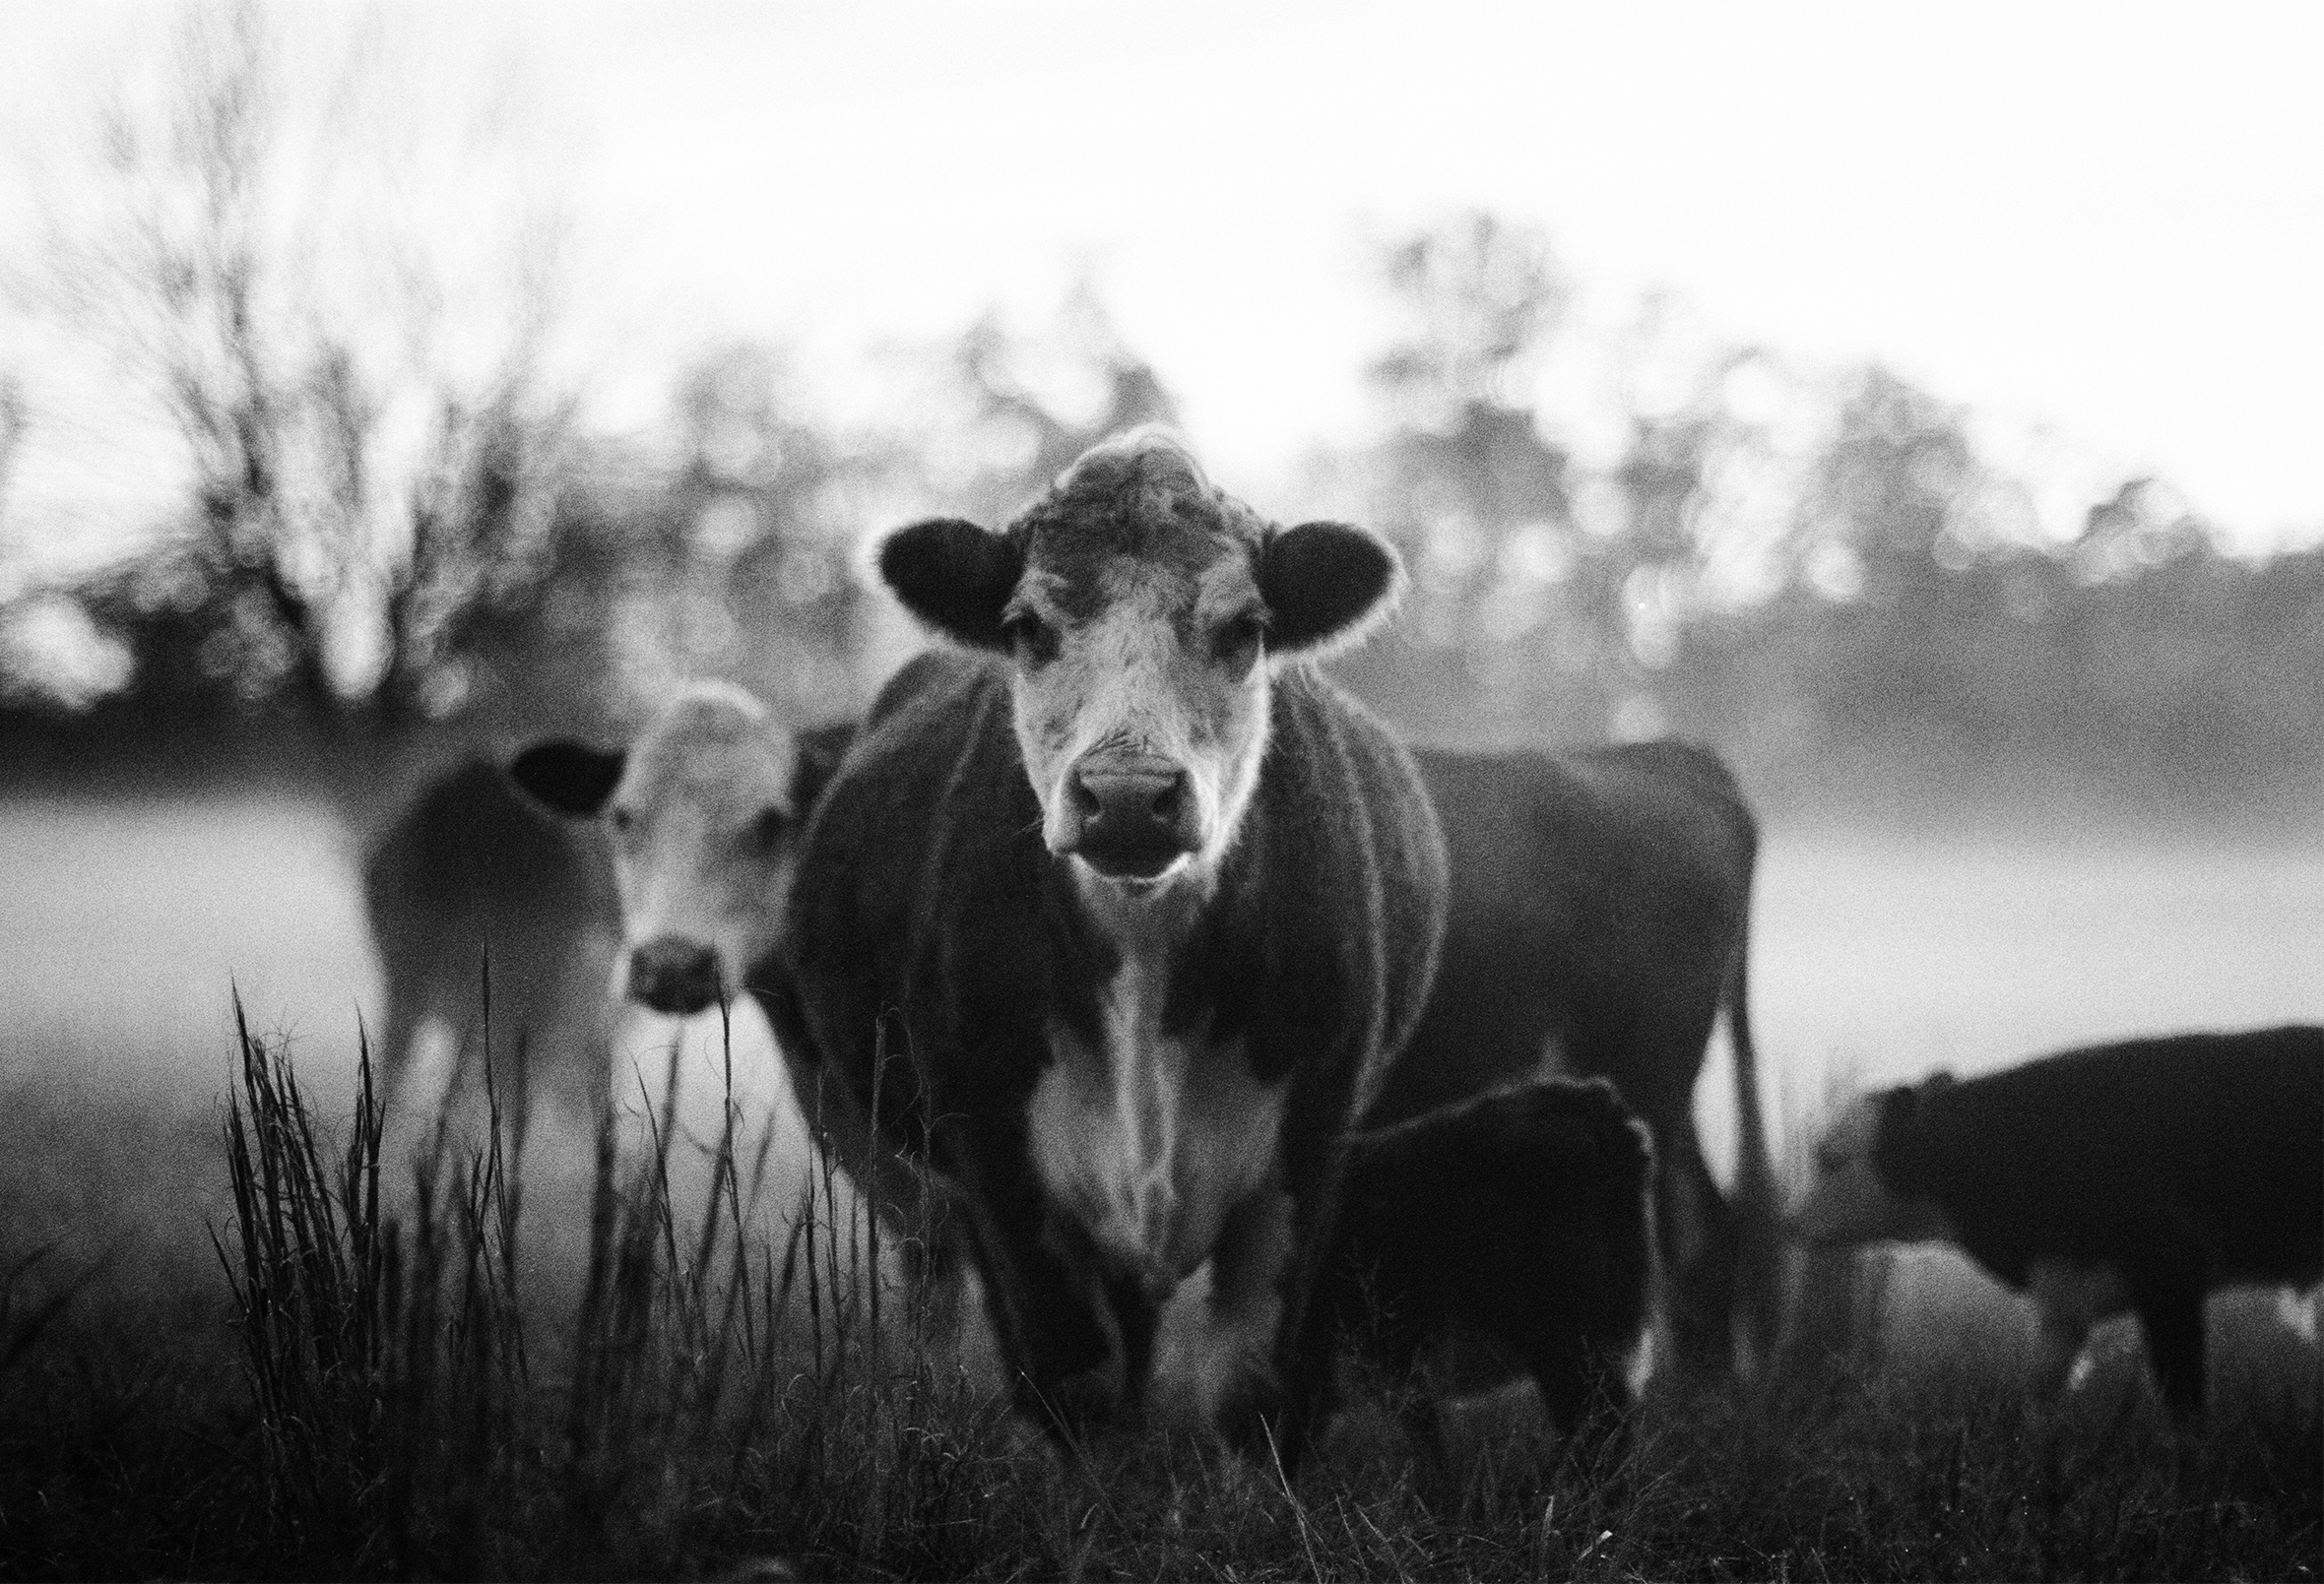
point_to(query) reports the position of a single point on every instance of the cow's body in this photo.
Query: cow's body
(1597, 922)
(471, 872)
(1137, 964)
(2125, 1177)
(1507, 1236)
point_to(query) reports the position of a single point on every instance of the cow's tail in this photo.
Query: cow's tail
(1758, 1261)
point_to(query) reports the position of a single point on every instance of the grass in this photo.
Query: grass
(377, 1373)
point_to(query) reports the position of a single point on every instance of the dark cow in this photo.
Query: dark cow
(472, 871)
(1143, 907)
(1507, 1236)
(2133, 1176)
(1597, 923)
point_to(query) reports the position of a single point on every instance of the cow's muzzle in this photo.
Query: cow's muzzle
(671, 974)
(1130, 816)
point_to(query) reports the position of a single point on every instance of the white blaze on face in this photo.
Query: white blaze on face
(1144, 674)
(1848, 1202)
(1151, 1138)
(703, 828)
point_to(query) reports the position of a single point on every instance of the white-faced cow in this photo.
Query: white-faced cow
(2133, 1176)
(1141, 908)
(666, 901)
(1598, 924)
(702, 812)
(474, 873)
(1507, 1236)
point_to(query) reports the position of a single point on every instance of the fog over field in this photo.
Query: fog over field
(1877, 956)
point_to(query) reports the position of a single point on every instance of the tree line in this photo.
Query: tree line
(396, 522)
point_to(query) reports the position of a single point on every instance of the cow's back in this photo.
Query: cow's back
(1578, 880)
(471, 866)
(2201, 1146)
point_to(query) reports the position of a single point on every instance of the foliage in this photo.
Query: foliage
(406, 1402)
(369, 421)
(1829, 579)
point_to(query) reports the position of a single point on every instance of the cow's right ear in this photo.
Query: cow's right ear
(1326, 586)
(567, 777)
(954, 576)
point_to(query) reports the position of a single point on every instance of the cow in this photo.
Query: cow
(1599, 922)
(664, 901)
(1116, 917)
(474, 876)
(702, 813)
(1509, 1236)
(2135, 1177)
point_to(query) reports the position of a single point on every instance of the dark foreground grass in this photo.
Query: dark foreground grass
(369, 1378)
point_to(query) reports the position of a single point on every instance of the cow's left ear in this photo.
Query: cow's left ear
(954, 576)
(1326, 586)
(567, 777)
(820, 749)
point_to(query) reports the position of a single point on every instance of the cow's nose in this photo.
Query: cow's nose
(674, 974)
(1135, 815)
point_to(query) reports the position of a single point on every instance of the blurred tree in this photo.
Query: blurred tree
(767, 499)
(1468, 488)
(1012, 408)
(371, 439)
(15, 419)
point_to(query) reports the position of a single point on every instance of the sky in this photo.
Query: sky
(2102, 222)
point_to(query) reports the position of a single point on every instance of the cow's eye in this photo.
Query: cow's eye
(1033, 640)
(623, 819)
(1236, 638)
(769, 828)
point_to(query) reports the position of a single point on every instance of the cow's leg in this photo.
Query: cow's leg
(1247, 1268)
(1436, 1472)
(2169, 1308)
(2059, 1339)
(1058, 1338)
(391, 1047)
(1698, 1237)
(1584, 1396)
(1136, 1317)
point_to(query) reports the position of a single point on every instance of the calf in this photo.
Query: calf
(2133, 1176)
(1507, 1235)
(1599, 922)
(1118, 918)
(472, 875)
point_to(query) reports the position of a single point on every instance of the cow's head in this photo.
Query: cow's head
(1865, 1187)
(702, 811)
(1143, 611)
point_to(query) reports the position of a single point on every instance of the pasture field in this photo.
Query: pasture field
(557, 1374)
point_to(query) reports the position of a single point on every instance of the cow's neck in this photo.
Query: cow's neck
(1148, 924)
(1150, 1129)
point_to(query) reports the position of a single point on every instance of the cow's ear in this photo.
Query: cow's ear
(567, 777)
(821, 750)
(954, 576)
(1326, 586)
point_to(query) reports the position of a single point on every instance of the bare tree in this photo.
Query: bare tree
(253, 234)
